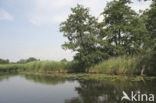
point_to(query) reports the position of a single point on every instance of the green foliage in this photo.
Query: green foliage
(149, 18)
(150, 22)
(2, 61)
(123, 33)
(9, 67)
(30, 59)
(149, 61)
(64, 60)
(45, 79)
(50, 67)
(118, 65)
(43, 67)
(81, 30)
(136, 65)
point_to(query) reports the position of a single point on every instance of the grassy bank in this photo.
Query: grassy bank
(119, 65)
(124, 65)
(88, 76)
(41, 66)
(45, 66)
(9, 67)
(116, 66)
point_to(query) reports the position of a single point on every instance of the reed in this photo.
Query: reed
(138, 65)
(118, 65)
(9, 67)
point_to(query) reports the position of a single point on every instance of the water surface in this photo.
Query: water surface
(48, 89)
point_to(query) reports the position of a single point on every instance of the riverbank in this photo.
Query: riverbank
(91, 76)
(115, 66)
(83, 76)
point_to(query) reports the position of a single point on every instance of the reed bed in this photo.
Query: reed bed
(118, 65)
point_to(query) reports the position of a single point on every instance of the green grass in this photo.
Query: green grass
(9, 67)
(45, 66)
(41, 66)
(118, 65)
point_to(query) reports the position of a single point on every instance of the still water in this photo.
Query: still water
(47, 89)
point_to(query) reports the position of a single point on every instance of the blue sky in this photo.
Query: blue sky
(30, 28)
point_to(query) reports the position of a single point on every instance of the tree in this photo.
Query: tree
(81, 31)
(30, 59)
(150, 23)
(122, 32)
(64, 60)
(149, 17)
(2, 61)
(150, 20)
(21, 61)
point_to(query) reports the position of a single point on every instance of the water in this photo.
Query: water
(47, 89)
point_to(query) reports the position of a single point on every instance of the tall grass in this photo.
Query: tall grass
(118, 65)
(138, 65)
(50, 67)
(9, 67)
(42, 66)
(45, 66)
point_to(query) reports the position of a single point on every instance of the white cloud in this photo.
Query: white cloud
(56, 11)
(140, 5)
(48, 11)
(4, 15)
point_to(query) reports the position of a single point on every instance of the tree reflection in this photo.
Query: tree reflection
(108, 91)
(94, 91)
(6, 75)
(45, 79)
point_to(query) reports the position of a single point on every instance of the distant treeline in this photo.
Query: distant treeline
(21, 61)
(3, 61)
(30, 59)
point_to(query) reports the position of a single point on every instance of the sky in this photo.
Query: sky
(30, 28)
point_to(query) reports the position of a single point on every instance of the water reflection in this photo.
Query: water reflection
(109, 92)
(90, 91)
(45, 79)
(6, 76)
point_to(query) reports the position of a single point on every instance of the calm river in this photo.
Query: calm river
(46, 89)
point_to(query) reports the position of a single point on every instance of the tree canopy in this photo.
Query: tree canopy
(122, 32)
(81, 30)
